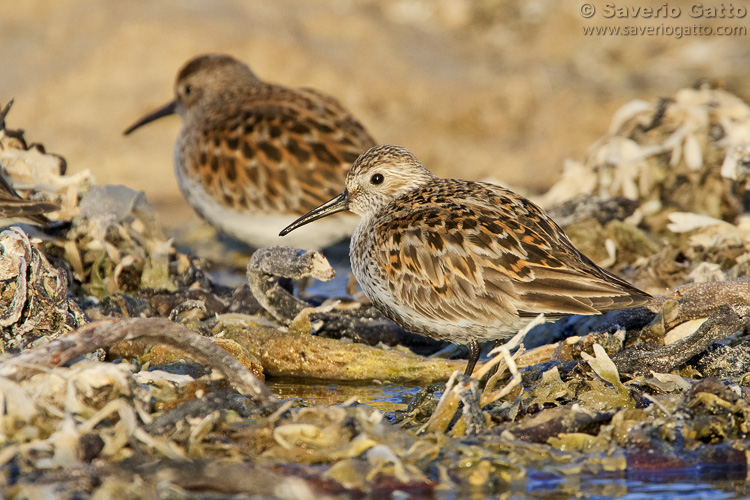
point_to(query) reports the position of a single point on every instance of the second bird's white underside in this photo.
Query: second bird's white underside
(261, 229)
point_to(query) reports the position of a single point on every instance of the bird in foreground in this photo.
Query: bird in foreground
(253, 156)
(462, 261)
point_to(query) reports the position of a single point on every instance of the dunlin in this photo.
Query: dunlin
(253, 156)
(462, 261)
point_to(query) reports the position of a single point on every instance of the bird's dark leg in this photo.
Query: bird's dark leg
(498, 343)
(474, 352)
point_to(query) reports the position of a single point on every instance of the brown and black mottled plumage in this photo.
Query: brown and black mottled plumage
(251, 151)
(463, 261)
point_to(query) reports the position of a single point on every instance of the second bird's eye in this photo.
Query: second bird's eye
(377, 179)
(188, 89)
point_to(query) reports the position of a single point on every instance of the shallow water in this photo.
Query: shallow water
(688, 484)
(387, 398)
(670, 486)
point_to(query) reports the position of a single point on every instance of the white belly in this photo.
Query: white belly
(262, 229)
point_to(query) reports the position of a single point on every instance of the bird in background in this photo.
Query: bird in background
(253, 156)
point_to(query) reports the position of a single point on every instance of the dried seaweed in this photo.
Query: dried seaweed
(105, 333)
(181, 409)
(34, 302)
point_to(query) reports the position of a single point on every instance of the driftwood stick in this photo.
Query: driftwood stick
(101, 334)
(699, 300)
(722, 323)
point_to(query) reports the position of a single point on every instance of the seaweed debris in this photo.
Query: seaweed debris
(127, 372)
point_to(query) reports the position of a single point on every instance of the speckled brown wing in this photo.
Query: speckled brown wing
(479, 253)
(288, 153)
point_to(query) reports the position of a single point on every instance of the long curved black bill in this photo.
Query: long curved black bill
(167, 110)
(339, 203)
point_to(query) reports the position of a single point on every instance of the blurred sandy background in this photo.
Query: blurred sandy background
(506, 89)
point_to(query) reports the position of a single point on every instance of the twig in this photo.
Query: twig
(157, 330)
(721, 324)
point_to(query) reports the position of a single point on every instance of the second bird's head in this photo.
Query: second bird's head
(200, 82)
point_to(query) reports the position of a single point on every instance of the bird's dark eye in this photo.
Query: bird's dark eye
(188, 89)
(377, 179)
